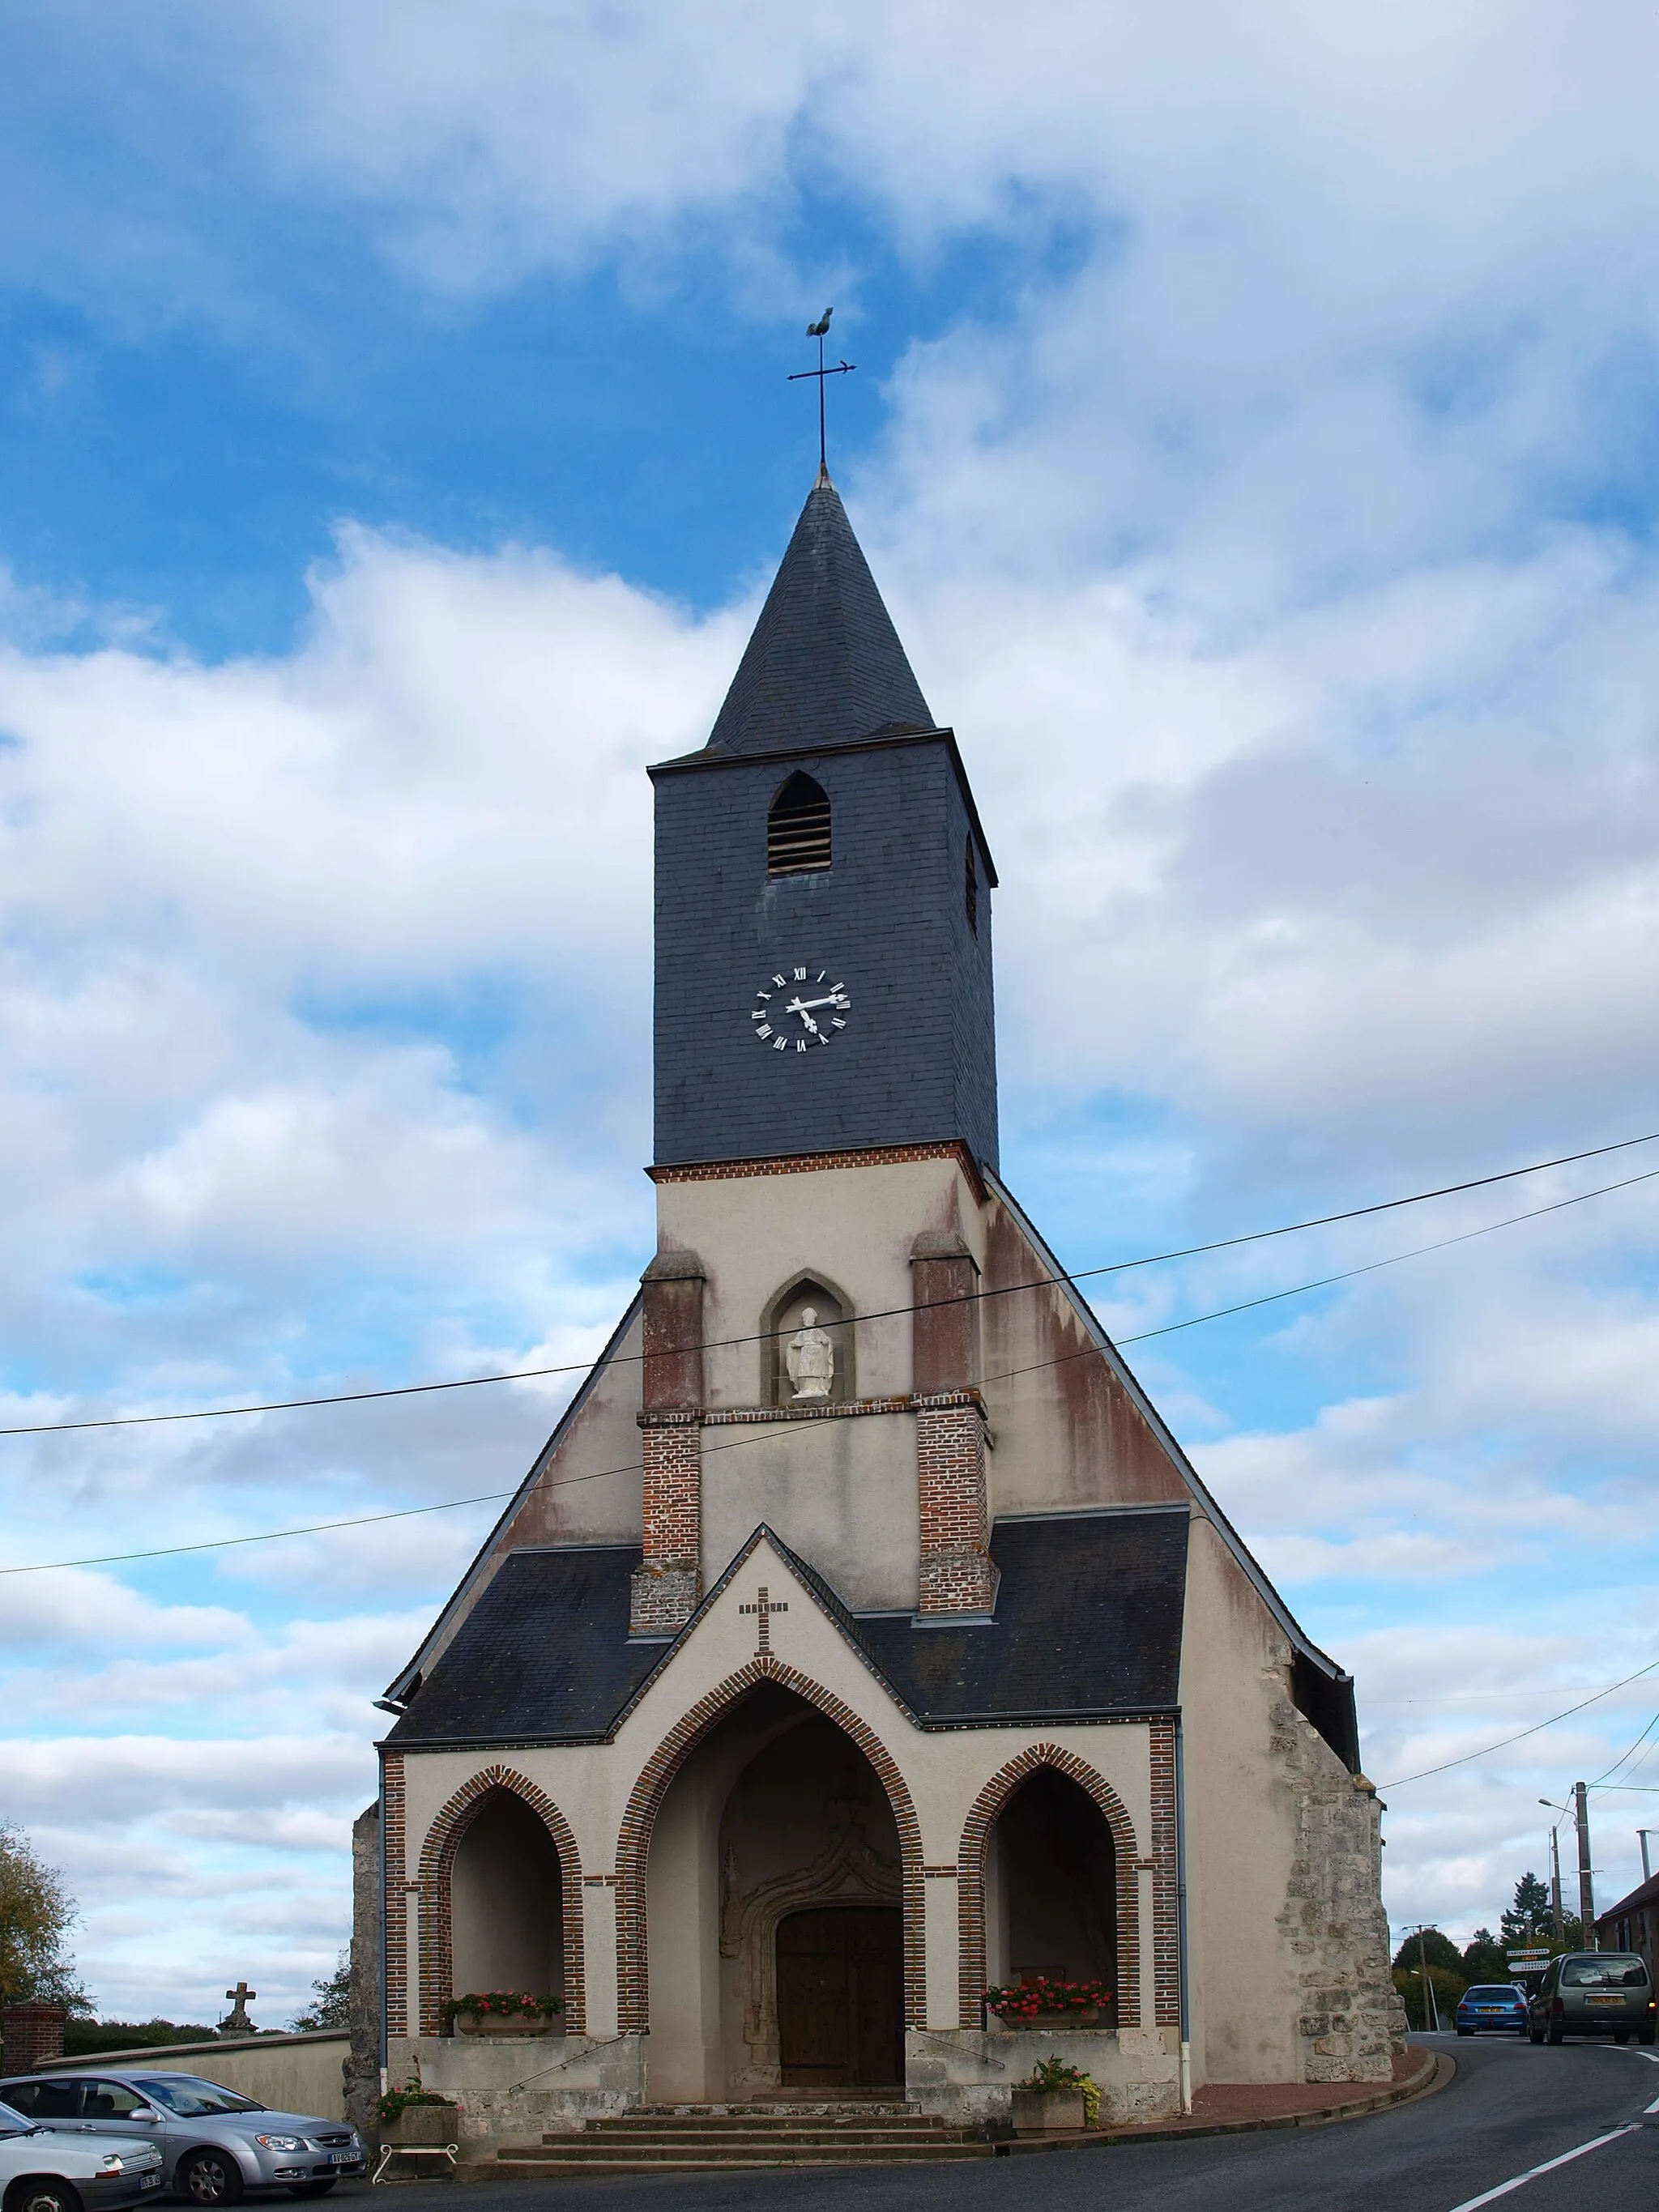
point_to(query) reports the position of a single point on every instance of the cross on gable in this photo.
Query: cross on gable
(242, 1993)
(764, 1608)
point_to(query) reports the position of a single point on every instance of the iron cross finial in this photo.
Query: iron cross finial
(820, 330)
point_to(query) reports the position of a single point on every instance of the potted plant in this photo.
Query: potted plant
(414, 2118)
(1039, 2002)
(1054, 2100)
(501, 2012)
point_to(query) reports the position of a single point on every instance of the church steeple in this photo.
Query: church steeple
(825, 666)
(823, 919)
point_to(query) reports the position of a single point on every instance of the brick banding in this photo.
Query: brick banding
(634, 1843)
(443, 1840)
(982, 1817)
(871, 1156)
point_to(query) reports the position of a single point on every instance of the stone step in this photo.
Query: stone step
(714, 2130)
(722, 2160)
(668, 2143)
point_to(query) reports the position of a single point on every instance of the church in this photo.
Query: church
(861, 1642)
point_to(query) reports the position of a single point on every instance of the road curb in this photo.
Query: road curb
(1437, 2068)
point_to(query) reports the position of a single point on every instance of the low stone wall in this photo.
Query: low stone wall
(300, 2074)
(967, 2075)
(516, 2088)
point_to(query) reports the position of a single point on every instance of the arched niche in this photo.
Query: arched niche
(782, 1320)
(507, 1904)
(1051, 1887)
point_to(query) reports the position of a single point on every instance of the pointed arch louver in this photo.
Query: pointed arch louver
(797, 828)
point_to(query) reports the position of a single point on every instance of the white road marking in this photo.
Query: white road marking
(1653, 2107)
(1470, 2204)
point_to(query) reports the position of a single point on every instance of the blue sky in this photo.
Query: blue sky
(1254, 434)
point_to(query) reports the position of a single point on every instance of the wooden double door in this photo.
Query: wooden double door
(840, 1997)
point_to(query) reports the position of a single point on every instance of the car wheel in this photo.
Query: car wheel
(1556, 2031)
(1622, 2035)
(1465, 2030)
(43, 2192)
(314, 2188)
(210, 2178)
(1645, 2035)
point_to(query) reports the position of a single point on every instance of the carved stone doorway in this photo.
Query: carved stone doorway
(840, 1997)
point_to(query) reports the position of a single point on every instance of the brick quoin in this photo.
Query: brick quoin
(958, 1574)
(868, 1156)
(1166, 1915)
(982, 1817)
(634, 1842)
(669, 1582)
(443, 1840)
(394, 1904)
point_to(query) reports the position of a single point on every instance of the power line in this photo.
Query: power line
(1004, 1290)
(784, 1429)
(1538, 1727)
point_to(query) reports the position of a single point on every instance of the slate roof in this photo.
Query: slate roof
(1088, 1623)
(824, 666)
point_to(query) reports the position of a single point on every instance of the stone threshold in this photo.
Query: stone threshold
(1416, 2074)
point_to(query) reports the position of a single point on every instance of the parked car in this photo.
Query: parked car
(215, 2143)
(1587, 1993)
(48, 2169)
(1492, 2006)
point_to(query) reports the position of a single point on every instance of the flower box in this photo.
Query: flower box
(425, 2127)
(1089, 2017)
(1047, 2112)
(1040, 2002)
(506, 2023)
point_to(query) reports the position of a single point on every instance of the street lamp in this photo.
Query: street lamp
(1431, 2007)
(1555, 1870)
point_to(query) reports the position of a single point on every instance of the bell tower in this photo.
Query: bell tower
(822, 893)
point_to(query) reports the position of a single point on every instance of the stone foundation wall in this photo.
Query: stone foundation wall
(1352, 2021)
(966, 2075)
(516, 2088)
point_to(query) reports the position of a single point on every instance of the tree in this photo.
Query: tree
(1438, 1949)
(1448, 1987)
(36, 1914)
(331, 1998)
(1528, 1920)
(1486, 1960)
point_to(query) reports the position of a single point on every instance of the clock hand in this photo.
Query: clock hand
(799, 1005)
(807, 1018)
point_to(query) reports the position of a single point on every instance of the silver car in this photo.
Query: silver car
(1590, 1993)
(215, 2143)
(47, 2169)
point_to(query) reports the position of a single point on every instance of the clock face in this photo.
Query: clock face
(800, 1009)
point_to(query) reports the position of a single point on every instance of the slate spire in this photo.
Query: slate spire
(824, 666)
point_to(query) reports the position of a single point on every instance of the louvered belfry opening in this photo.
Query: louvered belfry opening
(798, 829)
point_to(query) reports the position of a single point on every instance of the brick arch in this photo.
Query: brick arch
(982, 1817)
(443, 1840)
(634, 1842)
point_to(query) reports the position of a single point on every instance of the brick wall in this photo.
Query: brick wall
(669, 1583)
(958, 1574)
(30, 2033)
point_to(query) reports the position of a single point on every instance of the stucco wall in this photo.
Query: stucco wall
(298, 2074)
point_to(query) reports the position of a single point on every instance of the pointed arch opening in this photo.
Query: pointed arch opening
(703, 1898)
(1046, 1884)
(797, 839)
(501, 1899)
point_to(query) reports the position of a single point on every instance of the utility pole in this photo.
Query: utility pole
(1586, 1898)
(1431, 2008)
(1555, 1886)
(1642, 1835)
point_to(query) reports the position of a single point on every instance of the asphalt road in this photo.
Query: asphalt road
(1511, 2109)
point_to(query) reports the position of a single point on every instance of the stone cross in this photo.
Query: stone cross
(764, 1608)
(237, 2021)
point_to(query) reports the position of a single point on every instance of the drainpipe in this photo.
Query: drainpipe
(1181, 1918)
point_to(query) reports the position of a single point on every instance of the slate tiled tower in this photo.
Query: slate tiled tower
(793, 1709)
(824, 690)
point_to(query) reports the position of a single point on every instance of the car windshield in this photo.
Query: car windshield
(192, 2099)
(13, 2124)
(1496, 1995)
(1607, 1974)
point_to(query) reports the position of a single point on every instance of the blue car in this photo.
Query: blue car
(1488, 2005)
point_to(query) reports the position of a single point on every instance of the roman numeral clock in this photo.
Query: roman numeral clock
(800, 1009)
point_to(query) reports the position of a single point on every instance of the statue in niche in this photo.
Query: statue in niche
(811, 1357)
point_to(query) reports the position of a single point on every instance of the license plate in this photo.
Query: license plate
(1493, 2008)
(1605, 2000)
(149, 2181)
(343, 2158)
